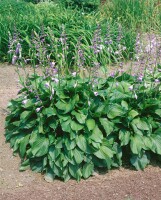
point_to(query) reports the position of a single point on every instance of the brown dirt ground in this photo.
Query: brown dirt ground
(122, 184)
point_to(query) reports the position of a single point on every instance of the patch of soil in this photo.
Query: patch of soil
(120, 184)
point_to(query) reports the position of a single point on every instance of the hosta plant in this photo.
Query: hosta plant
(67, 127)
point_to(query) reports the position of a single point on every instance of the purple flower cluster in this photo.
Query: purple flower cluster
(97, 44)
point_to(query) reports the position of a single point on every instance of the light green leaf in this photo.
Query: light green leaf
(96, 135)
(79, 116)
(78, 156)
(75, 126)
(136, 144)
(124, 104)
(114, 111)
(158, 112)
(104, 153)
(82, 143)
(66, 107)
(25, 115)
(107, 125)
(124, 136)
(141, 124)
(87, 170)
(156, 139)
(70, 144)
(90, 124)
(25, 165)
(132, 114)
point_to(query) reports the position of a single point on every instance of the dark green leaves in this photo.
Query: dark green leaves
(140, 162)
(40, 146)
(107, 125)
(71, 133)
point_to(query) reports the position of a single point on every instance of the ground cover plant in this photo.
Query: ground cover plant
(65, 125)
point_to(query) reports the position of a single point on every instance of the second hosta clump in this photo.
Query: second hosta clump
(67, 127)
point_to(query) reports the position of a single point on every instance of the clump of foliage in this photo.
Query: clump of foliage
(68, 126)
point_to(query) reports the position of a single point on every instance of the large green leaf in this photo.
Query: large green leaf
(49, 176)
(124, 136)
(25, 165)
(90, 124)
(132, 114)
(66, 107)
(82, 143)
(87, 170)
(81, 118)
(76, 126)
(25, 115)
(75, 171)
(24, 142)
(158, 112)
(140, 162)
(50, 111)
(70, 144)
(78, 155)
(136, 144)
(156, 143)
(107, 125)
(96, 135)
(124, 104)
(114, 111)
(104, 153)
(66, 125)
(54, 152)
(40, 146)
(141, 124)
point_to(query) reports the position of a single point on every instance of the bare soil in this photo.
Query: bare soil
(120, 184)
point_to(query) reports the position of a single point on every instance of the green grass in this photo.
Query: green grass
(24, 17)
(27, 17)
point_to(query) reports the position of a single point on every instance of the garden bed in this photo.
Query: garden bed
(117, 184)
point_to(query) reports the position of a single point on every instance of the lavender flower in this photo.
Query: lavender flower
(25, 101)
(95, 93)
(14, 59)
(157, 81)
(47, 84)
(131, 88)
(74, 74)
(18, 49)
(55, 79)
(52, 64)
(38, 109)
(140, 78)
